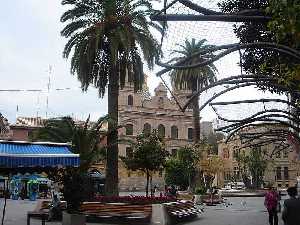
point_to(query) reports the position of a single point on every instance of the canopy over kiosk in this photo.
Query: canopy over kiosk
(14, 154)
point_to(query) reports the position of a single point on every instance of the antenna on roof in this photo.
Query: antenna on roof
(17, 112)
(48, 90)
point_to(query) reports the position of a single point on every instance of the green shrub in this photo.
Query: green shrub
(200, 190)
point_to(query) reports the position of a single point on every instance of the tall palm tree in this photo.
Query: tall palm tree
(193, 79)
(85, 138)
(107, 40)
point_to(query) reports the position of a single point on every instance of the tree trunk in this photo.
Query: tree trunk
(196, 120)
(111, 180)
(147, 183)
(151, 186)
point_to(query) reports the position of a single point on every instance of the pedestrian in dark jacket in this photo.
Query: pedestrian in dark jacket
(291, 208)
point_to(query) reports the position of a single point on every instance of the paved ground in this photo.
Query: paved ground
(242, 211)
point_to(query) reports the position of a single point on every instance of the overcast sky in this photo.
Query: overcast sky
(30, 41)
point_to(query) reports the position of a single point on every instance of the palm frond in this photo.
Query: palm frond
(193, 78)
(74, 26)
(106, 35)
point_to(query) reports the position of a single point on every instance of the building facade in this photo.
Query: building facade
(139, 112)
(282, 170)
(24, 126)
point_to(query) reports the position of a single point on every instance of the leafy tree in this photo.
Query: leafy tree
(181, 170)
(283, 28)
(189, 156)
(211, 166)
(176, 173)
(149, 156)
(193, 79)
(285, 25)
(257, 164)
(254, 164)
(242, 161)
(84, 138)
(104, 42)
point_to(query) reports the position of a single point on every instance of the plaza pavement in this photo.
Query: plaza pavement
(242, 211)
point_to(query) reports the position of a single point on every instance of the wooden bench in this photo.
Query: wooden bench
(182, 209)
(41, 211)
(116, 211)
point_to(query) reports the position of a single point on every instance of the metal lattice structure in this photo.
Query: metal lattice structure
(268, 121)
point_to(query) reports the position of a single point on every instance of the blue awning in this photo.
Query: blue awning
(26, 154)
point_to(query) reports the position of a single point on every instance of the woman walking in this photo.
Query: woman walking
(271, 202)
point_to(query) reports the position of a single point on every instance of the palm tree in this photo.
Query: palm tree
(85, 138)
(107, 40)
(193, 79)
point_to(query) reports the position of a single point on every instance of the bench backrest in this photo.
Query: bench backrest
(45, 204)
(114, 208)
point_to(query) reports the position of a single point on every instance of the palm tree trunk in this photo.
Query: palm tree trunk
(111, 182)
(196, 118)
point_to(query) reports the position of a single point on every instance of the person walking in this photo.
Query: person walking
(291, 208)
(271, 202)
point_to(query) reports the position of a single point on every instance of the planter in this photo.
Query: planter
(73, 219)
(159, 215)
(212, 199)
(198, 199)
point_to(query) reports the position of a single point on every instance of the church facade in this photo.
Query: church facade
(139, 112)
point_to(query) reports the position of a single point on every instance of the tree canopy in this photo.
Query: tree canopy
(109, 36)
(149, 155)
(253, 164)
(85, 138)
(283, 28)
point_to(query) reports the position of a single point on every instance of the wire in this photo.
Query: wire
(37, 90)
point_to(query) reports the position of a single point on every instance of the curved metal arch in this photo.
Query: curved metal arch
(244, 78)
(280, 123)
(268, 135)
(256, 101)
(206, 11)
(220, 82)
(223, 92)
(262, 143)
(231, 127)
(257, 114)
(228, 49)
(250, 14)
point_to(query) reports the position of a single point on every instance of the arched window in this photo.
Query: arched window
(147, 128)
(161, 130)
(129, 129)
(130, 100)
(129, 152)
(225, 153)
(174, 132)
(190, 133)
(161, 102)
